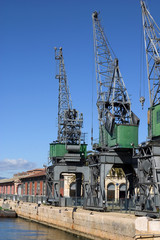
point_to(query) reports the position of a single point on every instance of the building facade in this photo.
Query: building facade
(33, 183)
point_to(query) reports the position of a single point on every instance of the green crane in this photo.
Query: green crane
(68, 152)
(152, 49)
(118, 125)
(70, 121)
(149, 152)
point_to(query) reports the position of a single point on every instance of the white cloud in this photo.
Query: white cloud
(8, 166)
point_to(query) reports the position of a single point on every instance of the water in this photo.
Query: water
(20, 229)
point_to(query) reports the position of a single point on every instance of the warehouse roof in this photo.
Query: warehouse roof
(34, 174)
(28, 174)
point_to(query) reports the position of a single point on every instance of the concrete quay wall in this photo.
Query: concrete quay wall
(92, 225)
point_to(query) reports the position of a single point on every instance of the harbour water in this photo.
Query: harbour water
(20, 229)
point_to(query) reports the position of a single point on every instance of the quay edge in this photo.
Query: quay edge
(91, 225)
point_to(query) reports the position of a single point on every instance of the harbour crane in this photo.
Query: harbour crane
(152, 50)
(118, 125)
(149, 152)
(116, 120)
(68, 152)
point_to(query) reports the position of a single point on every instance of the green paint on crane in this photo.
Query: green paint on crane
(123, 136)
(59, 150)
(154, 121)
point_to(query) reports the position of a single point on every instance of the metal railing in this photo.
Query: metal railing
(74, 201)
(122, 205)
(64, 201)
(24, 198)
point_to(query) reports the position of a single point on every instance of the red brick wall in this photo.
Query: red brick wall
(30, 189)
(12, 189)
(35, 187)
(8, 190)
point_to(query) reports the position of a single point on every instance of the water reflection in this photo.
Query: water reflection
(19, 229)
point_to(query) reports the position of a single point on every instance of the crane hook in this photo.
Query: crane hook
(142, 100)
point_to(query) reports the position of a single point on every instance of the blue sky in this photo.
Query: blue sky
(29, 31)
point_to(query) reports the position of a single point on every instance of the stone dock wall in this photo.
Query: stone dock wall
(92, 225)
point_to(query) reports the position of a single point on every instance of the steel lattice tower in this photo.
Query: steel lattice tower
(152, 48)
(69, 119)
(113, 101)
(118, 125)
(148, 194)
(67, 154)
(64, 98)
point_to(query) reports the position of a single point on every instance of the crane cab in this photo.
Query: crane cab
(123, 136)
(154, 122)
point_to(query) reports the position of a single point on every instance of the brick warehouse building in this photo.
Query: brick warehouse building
(31, 185)
(32, 182)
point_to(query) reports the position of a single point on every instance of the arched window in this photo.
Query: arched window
(110, 192)
(122, 191)
(19, 190)
(73, 189)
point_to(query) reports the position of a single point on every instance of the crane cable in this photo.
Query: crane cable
(92, 103)
(142, 81)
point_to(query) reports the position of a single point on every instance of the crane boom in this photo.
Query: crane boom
(113, 102)
(152, 48)
(64, 98)
(69, 119)
(112, 96)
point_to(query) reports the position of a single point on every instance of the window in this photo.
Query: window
(38, 187)
(28, 188)
(158, 117)
(44, 187)
(114, 133)
(110, 192)
(122, 190)
(23, 188)
(73, 189)
(33, 187)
